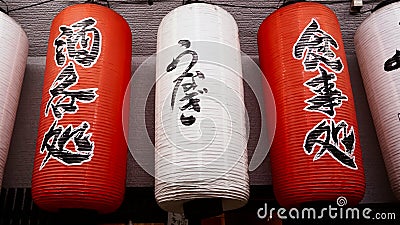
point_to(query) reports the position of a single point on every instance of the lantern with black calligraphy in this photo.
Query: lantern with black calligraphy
(13, 56)
(81, 152)
(316, 154)
(377, 43)
(200, 135)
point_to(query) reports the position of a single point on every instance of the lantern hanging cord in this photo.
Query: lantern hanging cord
(150, 2)
(94, 1)
(28, 6)
(7, 10)
(229, 5)
(332, 2)
(271, 7)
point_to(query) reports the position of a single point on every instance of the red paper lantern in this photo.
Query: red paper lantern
(316, 154)
(81, 152)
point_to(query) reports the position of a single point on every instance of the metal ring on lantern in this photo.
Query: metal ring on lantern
(377, 44)
(13, 55)
(200, 135)
(316, 154)
(81, 153)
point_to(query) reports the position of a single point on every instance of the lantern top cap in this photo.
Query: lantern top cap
(290, 2)
(3, 7)
(198, 6)
(99, 2)
(192, 1)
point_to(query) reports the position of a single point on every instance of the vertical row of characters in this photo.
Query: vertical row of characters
(65, 98)
(315, 155)
(315, 48)
(190, 99)
(80, 159)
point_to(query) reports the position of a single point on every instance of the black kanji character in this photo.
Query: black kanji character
(192, 104)
(66, 99)
(330, 137)
(314, 45)
(327, 96)
(80, 42)
(55, 143)
(187, 120)
(393, 63)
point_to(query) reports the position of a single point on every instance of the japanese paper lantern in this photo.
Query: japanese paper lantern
(377, 43)
(13, 54)
(81, 153)
(315, 155)
(200, 135)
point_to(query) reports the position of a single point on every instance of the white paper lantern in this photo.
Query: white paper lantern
(13, 56)
(377, 43)
(200, 128)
